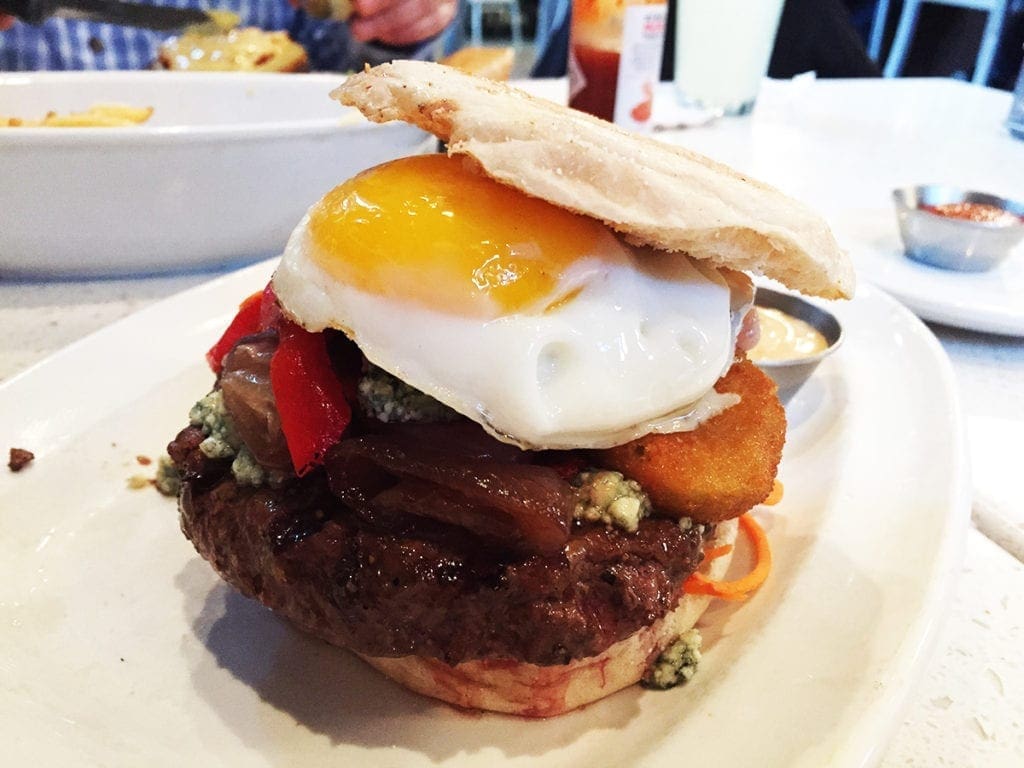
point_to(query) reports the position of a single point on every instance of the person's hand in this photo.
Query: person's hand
(6, 22)
(400, 22)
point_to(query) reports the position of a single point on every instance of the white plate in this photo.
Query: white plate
(118, 645)
(220, 174)
(991, 301)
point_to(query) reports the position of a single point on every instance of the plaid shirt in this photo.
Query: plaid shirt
(71, 44)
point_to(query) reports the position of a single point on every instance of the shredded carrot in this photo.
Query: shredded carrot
(716, 552)
(775, 496)
(741, 588)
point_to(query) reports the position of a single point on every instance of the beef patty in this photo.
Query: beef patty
(426, 591)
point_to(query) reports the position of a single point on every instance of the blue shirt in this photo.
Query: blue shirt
(72, 44)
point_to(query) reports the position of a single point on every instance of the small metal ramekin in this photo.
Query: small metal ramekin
(790, 374)
(950, 243)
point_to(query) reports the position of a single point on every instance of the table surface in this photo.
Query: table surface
(837, 145)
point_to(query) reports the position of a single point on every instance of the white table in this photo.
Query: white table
(837, 145)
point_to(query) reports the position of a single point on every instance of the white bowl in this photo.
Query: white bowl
(220, 174)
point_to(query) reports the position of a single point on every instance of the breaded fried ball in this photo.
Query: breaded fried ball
(719, 470)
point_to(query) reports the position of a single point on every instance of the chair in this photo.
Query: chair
(996, 10)
(551, 40)
(476, 20)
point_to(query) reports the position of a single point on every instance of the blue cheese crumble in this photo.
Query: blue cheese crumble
(247, 470)
(222, 441)
(677, 664)
(606, 496)
(389, 399)
(167, 481)
(210, 415)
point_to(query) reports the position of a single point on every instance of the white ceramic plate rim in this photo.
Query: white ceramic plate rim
(959, 314)
(974, 301)
(966, 312)
(861, 744)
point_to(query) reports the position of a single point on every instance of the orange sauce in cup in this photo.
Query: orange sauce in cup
(976, 212)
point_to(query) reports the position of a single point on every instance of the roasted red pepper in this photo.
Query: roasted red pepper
(270, 312)
(246, 322)
(310, 398)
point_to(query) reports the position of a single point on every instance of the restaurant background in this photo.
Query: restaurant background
(945, 42)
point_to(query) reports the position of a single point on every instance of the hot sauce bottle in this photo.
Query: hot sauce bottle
(615, 58)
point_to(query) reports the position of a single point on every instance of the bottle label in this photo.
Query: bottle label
(643, 38)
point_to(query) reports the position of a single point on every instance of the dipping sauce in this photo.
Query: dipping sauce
(784, 337)
(982, 213)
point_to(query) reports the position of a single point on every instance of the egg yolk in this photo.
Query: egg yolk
(428, 230)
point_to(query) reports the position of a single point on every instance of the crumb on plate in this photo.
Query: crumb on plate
(20, 458)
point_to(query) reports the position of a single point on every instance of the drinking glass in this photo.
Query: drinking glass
(722, 51)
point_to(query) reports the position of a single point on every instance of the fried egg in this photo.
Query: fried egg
(542, 325)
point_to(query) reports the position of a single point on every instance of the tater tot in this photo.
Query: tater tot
(719, 470)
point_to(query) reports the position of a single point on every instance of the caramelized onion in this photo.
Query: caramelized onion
(454, 475)
(248, 398)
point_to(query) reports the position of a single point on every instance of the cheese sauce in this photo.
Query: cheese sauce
(784, 337)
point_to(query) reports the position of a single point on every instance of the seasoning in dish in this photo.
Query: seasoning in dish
(784, 337)
(981, 213)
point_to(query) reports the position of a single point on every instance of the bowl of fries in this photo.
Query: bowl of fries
(122, 173)
(94, 116)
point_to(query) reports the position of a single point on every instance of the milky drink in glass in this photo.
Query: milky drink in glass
(722, 51)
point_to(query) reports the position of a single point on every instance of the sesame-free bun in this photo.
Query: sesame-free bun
(535, 691)
(653, 193)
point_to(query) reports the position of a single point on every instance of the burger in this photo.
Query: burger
(491, 425)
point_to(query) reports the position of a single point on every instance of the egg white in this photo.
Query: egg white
(637, 349)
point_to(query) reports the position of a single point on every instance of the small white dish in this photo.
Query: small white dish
(991, 301)
(220, 174)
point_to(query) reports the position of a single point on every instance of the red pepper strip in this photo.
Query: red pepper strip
(270, 312)
(247, 321)
(310, 398)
